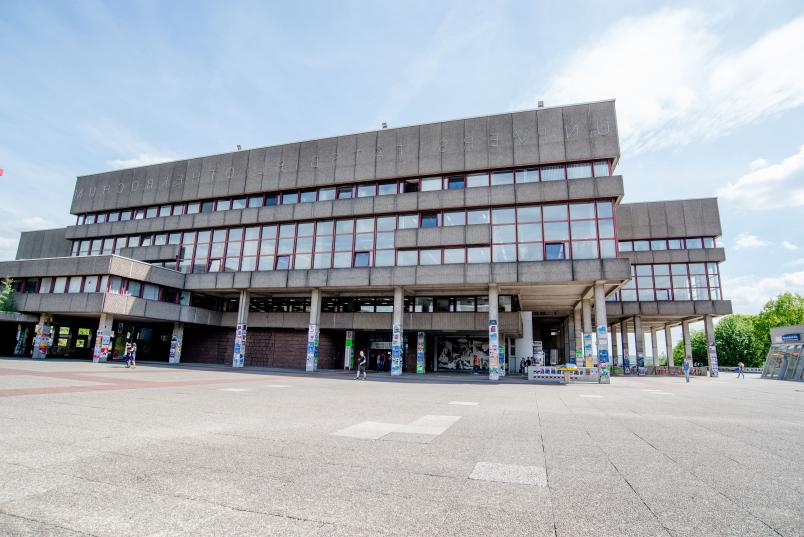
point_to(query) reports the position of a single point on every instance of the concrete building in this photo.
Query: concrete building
(785, 359)
(426, 246)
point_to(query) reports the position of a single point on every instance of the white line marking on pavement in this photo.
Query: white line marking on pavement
(510, 473)
(276, 386)
(430, 424)
(464, 403)
(661, 393)
(368, 430)
(591, 396)
(234, 390)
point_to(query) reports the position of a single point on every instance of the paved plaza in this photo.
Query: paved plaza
(98, 449)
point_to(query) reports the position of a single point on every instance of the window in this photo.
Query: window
(456, 182)
(477, 179)
(366, 190)
(193, 207)
(271, 200)
(527, 175)
(362, 259)
(657, 245)
(125, 216)
(429, 220)
(290, 198)
(478, 216)
(465, 303)
(46, 284)
(344, 239)
(708, 242)
(505, 177)
(479, 254)
(344, 192)
(90, 284)
(579, 170)
(282, 262)
(555, 250)
(430, 256)
(254, 201)
(165, 210)
(411, 185)
(100, 218)
(430, 184)
(675, 244)
(641, 246)
(454, 218)
(267, 247)
(139, 214)
(223, 205)
(326, 194)
(454, 255)
(406, 258)
(601, 168)
(75, 284)
(239, 203)
(207, 206)
(423, 304)
(114, 216)
(150, 292)
(132, 288)
(552, 173)
(626, 246)
(304, 246)
(386, 189)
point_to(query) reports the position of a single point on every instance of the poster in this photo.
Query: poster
(502, 359)
(713, 368)
(588, 349)
(420, 352)
(311, 339)
(538, 354)
(602, 345)
(348, 354)
(239, 355)
(396, 351)
(456, 353)
(494, 357)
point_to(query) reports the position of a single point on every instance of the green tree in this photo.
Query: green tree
(7, 295)
(700, 353)
(784, 310)
(735, 340)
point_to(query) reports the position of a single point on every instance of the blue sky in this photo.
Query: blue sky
(710, 97)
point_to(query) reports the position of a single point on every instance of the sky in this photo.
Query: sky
(709, 96)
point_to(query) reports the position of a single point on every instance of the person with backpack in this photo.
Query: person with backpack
(361, 366)
(127, 354)
(686, 367)
(133, 355)
(740, 370)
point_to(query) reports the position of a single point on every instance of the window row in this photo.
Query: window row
(579, 230)
(552, 172)
(689, 243)
(100, 284)
(675, 281)
(437, 304)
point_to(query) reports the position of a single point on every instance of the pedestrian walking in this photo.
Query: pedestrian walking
(127, 354)
(740, 370)
(476, 365)
(686, 367)
(134, 354)
(361, 366)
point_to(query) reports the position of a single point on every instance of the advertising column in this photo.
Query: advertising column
(420, 352)
(348, 353)
(103, 338)
(175, 343)
(709, 328)
(239, 353)
(311, 363)
(588, 350)
(396, 336)
(43, 337)
(494, 357)
(502, 356)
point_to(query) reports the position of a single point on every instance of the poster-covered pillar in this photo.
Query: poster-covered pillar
(524, 344)
(103, 338)
(685, 335)
(349, 350)
(175, 343)
(421, 351)
(602, 325)
(586, 313)
(311, 362)
(44, 337)
(654, 346)
(494, 333)
(668, 344)
(576, 317)
(625, 343)
(639, 340)
(711, 347)
(22, 337)
(239, 352)
(396, 332)
(614, 345)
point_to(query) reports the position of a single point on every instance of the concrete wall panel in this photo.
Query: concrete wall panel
(327, 160)
(272, 167)
(526, 138)
(366, 156)
(345, 162)
(407, 140)
(551, 135)
(576, 132)
(386, 153)
(308, 162)
(501, 145)
(430, 149)
(289, 166)
(603, 135)
(452, 146)
(476, 143)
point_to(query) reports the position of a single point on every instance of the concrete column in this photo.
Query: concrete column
(668, 343)
(22, 337)
(576, 316)
(311, 363)
(397, 332)
(524, 345)
(103, 338)
(239, 354)
(614, 345)
(601, 322)
(175, 343)
(711, 349)
(586, 311)
(44, 337)
(654, 347)
(494, 339)
(624, 335)
(639, 338)
(685, 334)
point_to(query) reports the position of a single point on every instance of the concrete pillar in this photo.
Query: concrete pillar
(494, 340)
(685, 334)
(624, 335)
(614, 345)
(44, 337)
(22, 337)
(601, 322)
(639, 338)
(711, 349)
(175, 343)
(239, 354)
(103, 338)
(576, 317)
(654, 347)
(524, 345)
(668, 343)
(586, 311)
(311, 362)
(397, 331)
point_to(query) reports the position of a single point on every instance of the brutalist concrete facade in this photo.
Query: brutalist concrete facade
(513, 220)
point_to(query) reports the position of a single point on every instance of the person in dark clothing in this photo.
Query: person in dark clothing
(361, 366)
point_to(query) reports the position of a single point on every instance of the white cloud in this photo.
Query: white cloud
(796, 262)
(143, 159)
(673, 81)
(747, 240)
(749, 293)
(787, 245)
(771, 186)
(758, 163)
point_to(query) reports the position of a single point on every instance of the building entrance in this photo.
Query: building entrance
(72, 338)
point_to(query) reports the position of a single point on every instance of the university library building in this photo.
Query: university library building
(432, 247)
